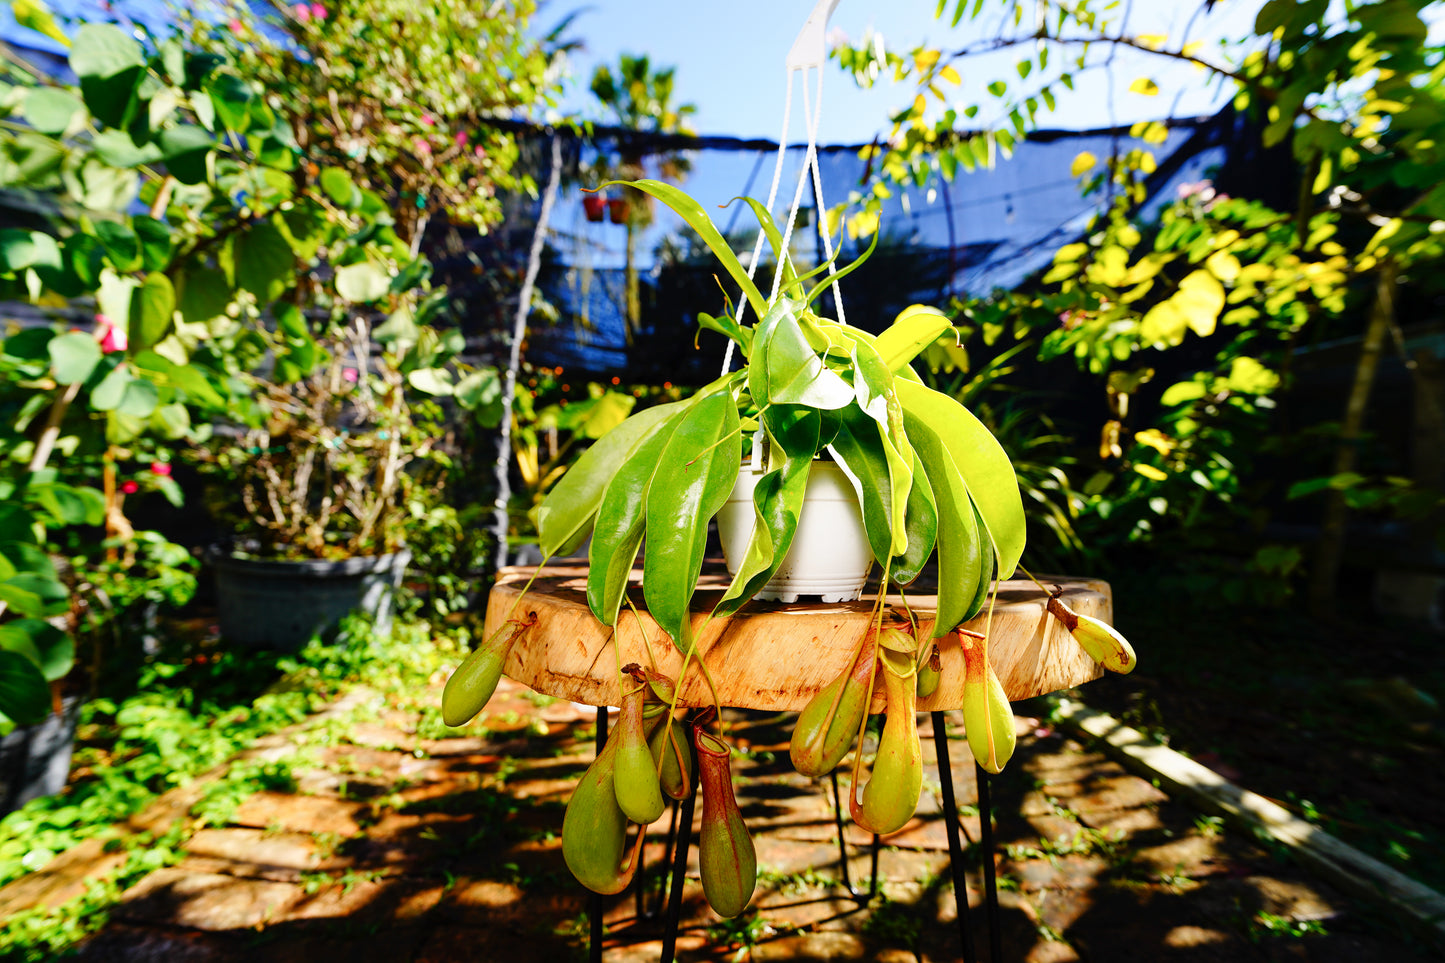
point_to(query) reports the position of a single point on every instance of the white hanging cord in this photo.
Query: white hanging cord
(823, 218)
(772, 196)
(807, 53)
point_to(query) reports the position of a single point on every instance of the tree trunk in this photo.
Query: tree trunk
(1330, 551)
(519, 332)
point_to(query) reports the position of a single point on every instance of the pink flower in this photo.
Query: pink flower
(318, 12)
(421, 145)
(1189, 190)
(461, 138)
(112, 338)
(236, 25)
(478, 151)
(428, 119)
(350, 374)
(161, 468)
(302, 11)
(130, 488)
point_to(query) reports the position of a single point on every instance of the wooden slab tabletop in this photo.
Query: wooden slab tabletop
(775, 655)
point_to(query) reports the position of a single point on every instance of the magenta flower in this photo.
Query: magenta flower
(302, 11)
(161, 468)
(350, 374)
(112, 338)
(421, 145)
(461, 138)
(318, 12)
(235, 25)
(428, 119)
(130, 488)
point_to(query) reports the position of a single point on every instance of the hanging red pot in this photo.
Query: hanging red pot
(593, 206)
(617, 209)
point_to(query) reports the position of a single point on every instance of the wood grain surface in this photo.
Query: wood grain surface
(773, 655)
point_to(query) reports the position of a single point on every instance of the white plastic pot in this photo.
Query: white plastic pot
(829, 556)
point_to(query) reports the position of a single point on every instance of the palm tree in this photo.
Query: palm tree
(640, 98)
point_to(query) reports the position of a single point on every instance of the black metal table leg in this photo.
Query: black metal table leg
(594, 901)
(955, 848)
(985, 816)
(679, 874)
(876, 845)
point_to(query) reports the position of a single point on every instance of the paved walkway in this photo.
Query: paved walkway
(397, 847)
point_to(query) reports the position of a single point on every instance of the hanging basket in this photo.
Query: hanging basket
(617, 210)
(594, 206)
(829, 557)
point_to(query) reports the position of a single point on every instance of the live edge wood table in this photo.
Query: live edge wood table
(775, 656)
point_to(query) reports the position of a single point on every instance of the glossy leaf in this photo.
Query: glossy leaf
(73, 356)
(981, 461)
(858, 449)
(698, 469)
(843, 272)
(960, 547)
(109, 64)
(24, 693)
(921, 521)
(915, 328)
(564, 519)
(777, 503)
(692, 212)
(873, 389)
(622, 520)
(153, 313)
(724, 325)
(792, 372)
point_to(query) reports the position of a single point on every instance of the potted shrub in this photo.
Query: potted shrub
(314, 480)
(930, 481)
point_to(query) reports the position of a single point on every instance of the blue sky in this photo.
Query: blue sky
(729, 56)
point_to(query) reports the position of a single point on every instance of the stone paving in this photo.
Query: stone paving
(397, 847)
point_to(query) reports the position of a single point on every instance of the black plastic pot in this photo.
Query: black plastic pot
(281, 605)
(35, 760)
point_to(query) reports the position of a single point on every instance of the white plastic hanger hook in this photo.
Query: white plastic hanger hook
(810, 49)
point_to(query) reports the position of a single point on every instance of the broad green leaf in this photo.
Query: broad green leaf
(155, 242)
(915, 328)
(51, 650)
(792, 372)
(24, 693)
(37, 16)
(921, 524)
(777, 503)
(564, 519)
(961, 546)
(107, 394)
(185, 149)
(692, 212)
(480, 392)
(49, 109)
(431, 381)
(338, 186)
(982, 461)
(109, 64)
(858, 448)
(189, 379)
(139, 399)
(73, 356)
(154, 312)
(203, 295)
(21, 249)
(119, 149)
(121, 245)
(697, 470)
(171, 421)
(263, 262)
(622, 520)
(363, 281)
(873, 389)
(37, 596)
